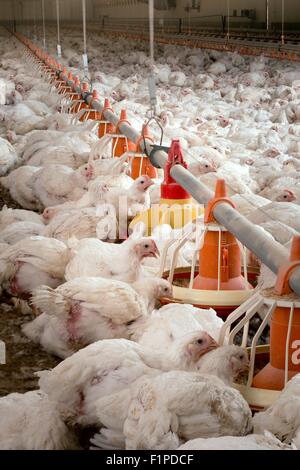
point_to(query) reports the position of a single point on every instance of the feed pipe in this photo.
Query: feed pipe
(270, 252)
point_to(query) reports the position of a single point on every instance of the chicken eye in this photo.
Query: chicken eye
(285, 196)
(142, 182)
(206, 166)
(146, 245)
(130, 322)
(166, 289)
(199, 341)
(241, 356)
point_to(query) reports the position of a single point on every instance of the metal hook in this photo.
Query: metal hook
(155, 119)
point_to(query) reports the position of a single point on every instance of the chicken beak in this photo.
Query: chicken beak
(154, 253)
(170, 293)
(210, 347)
(213, 345)
(147, 184)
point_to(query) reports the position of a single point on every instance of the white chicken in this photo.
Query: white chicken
(92, 257)
(32, 262)
(56, 184)
(84, 223)
(226, 362)
(61, 155)
(285, 212)
(250, 442)
(20, 182)
(178, 406)
(8, 156)
(81, 312)
(94, 196)
(173, 321)
(282, 418)
(108, 368)
(217, 68)
(9, 216)
(15, 232)
(30, 421)
(151, 289)
(136, 198)
(248, 202)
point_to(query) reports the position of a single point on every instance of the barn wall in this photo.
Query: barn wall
(96, 9)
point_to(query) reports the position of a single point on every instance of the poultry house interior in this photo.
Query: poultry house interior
(149, 225)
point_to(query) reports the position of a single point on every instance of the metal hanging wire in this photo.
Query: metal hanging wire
(151, 113)
(151, 78)
(267, 15)
(228, 19)
(58, 46)
(34, 22)
(44, 26)
(282, 22)
(84, 56)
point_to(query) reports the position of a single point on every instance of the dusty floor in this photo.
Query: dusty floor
(23, 358)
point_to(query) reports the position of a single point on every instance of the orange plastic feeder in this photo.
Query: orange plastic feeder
(120, 143)
(140, 164)
(284, 328)
(82, 104)
(220, 266)
(105, 127)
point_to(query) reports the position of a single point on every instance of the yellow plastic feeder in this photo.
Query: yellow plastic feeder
(176, 206)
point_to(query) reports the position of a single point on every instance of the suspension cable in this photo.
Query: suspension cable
(228, 19)
(84, 55)
(58, 30)
(151, 77)
(44, 27)
(282, 21)
(34, 22)
(151, 32)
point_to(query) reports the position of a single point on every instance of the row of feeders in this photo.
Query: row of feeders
(218, 274)
(139, 162)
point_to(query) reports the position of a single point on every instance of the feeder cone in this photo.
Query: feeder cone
(95, 95)
(272, 376)
(66, 87)
(83, 104)
(121, 144)
(170, 191)
(175, 207)
(221, 189)
(141, 164)
(93, 114)
(75, 95)
(220, 266)
(105, 127)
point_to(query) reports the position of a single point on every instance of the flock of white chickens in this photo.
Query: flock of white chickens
(139, 377)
